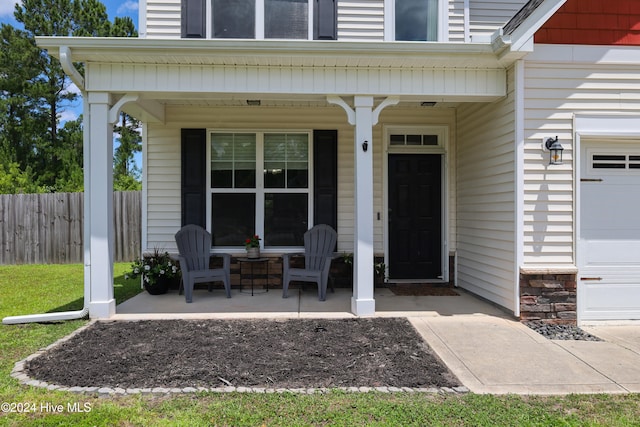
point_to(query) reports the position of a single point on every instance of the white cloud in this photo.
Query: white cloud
(67, 115)
(128, 6)
(7, 7)
(72, 88)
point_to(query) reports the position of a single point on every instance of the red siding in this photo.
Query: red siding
(593, 22)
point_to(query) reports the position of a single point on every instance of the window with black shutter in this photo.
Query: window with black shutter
(278, 19)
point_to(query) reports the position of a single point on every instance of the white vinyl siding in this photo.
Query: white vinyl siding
(486, 16)
(560, 82)
(163, 158)
(162, 19)
(361, 20)
(163, 177)
(486, 208)
(457, 24)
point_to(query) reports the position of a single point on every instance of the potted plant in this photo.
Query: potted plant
(252, 244)
(380, 272)
(156, 270)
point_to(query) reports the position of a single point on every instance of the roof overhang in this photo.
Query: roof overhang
(515, 39)
(271, 70)
(317, 53)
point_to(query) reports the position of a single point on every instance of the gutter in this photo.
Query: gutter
(76, 77)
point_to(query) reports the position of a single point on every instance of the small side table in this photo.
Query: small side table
(252, 262)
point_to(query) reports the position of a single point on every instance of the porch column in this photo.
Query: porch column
(362, 302)
(98, 141)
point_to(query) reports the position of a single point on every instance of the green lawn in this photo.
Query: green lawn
(43, 288)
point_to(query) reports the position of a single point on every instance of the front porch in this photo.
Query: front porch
(302, 303)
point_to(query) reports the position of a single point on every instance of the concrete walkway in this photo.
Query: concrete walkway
(488, 350)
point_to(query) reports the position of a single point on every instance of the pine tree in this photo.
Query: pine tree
(34, 90)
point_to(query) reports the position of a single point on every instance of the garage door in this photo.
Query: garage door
(609, 241)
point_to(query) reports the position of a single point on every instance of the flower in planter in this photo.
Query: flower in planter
(252, 242)
(153, 267)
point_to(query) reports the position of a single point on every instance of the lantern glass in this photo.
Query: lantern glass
(555, 151)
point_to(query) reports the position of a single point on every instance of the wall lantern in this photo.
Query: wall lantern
(365, 146)
(555, 150)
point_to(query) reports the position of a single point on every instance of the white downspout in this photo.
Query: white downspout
(67, 65)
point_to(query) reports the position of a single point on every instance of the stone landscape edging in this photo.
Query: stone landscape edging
(19, 373)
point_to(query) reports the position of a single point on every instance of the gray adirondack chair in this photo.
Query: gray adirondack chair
(319, 243)
(194, 244)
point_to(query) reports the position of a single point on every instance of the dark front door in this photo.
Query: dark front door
(415, 216)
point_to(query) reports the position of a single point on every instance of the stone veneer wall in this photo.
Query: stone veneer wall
(549, 296)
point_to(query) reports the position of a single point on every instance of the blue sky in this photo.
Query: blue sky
(114, 8)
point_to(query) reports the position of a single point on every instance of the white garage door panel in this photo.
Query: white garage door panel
(611, 301)
(614, 253)
(609, 245)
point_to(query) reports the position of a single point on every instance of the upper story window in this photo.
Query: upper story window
(233, 19)
(412, 20)
(259, 19)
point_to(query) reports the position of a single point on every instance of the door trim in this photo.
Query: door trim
(442, 149)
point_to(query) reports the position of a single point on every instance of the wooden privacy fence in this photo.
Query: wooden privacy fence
(48, 228)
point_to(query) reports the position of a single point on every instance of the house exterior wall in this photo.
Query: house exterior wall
(594, 22)
(486, 204)
(486, 16)
(162, 19)
(162, 159)
(562, 81)
(361, 20)
(357, 19)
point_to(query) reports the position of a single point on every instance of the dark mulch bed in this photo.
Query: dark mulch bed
(422, 289)
(249, 353)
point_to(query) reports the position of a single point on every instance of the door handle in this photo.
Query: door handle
(591, 278)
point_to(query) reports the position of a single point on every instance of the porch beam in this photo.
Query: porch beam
(145, 110)
(99, 195)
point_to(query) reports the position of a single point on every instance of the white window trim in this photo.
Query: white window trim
(390, 20)
(259, 24)
(260, 191)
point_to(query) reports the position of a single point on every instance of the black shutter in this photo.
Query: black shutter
(194, 24)
(325, 20)
(325, 178)
(194, 169)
